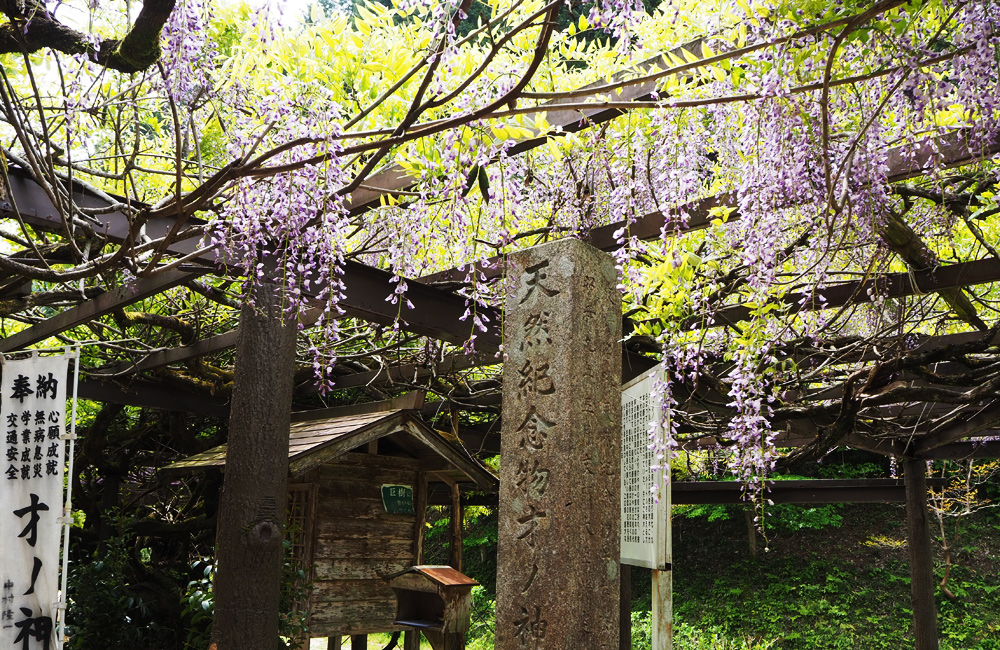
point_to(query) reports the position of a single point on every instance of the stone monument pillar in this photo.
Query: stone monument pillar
(558, 555)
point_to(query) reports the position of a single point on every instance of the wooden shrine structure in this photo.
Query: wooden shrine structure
(357, 498)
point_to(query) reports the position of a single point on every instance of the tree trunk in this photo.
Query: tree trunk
(252, 507)
(921, 560)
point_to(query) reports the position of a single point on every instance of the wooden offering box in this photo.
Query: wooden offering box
(436, 600)
(358, 488)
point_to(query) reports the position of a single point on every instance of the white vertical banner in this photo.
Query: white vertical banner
(33, 414)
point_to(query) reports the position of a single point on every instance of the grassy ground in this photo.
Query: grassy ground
(836, 586)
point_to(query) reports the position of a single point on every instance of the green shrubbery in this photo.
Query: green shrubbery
(104, 609)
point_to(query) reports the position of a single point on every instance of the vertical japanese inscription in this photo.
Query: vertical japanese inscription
(535, 388)
(32, 412)
(553, 576)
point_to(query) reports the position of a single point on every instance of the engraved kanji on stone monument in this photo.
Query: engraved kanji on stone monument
(557, 583)
(533, 431)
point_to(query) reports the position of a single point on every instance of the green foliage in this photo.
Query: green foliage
(782, 516)
(105, 608)
(688, 637)
(479, 547)
(198, 602)
(710, 511)
(850, 470)
(796, 517)
(295, 588)
(198, 606)
(800, 596)
(484, 607)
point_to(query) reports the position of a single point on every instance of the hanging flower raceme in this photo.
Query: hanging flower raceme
(187, 50)
(291, 228)
(618, 18)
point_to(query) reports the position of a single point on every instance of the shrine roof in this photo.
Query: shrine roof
(312, 442)
(441, 574)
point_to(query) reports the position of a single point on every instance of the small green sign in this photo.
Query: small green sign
(398, 499)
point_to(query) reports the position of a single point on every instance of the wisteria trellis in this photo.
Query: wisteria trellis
(796, 117)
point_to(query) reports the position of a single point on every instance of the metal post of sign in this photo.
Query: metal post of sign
(67, 518)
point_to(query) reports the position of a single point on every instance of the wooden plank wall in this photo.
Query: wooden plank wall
(357, 543)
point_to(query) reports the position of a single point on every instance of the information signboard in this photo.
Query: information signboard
(645, 531)
(398, 499)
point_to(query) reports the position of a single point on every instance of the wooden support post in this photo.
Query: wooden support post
(455, 557)
(411, 640)
(420, 507)
(921, 558)
(625, 608)
(334, 642)
(359, 642)
(662, 614)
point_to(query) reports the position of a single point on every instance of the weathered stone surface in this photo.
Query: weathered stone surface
(557, 574)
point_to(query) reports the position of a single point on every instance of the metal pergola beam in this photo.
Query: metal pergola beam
(965, 450)
(964, 424)
(394, 179)
(810, 491)
(867, 490)
(436, 313)
(103, 304)
(889, 285)
(148, 394)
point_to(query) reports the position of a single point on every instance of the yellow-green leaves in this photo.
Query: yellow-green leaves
(720, 214)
